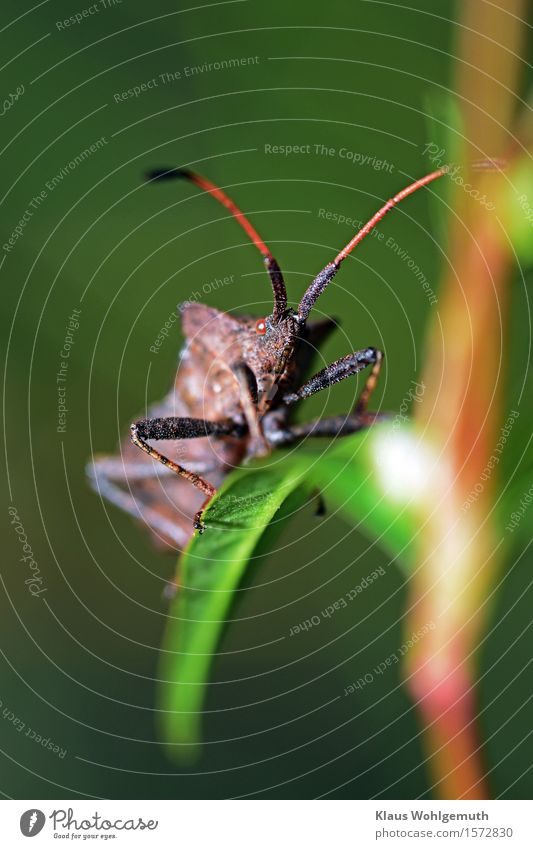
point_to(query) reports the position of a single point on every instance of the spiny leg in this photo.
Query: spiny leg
(104, 473)
(329, 426)
(117, 469)
(337, 371)
(359, 419)
(174, 427)
(361, 404)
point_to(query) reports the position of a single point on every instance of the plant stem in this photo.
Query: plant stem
(462, 410)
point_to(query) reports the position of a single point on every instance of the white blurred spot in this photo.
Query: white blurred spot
(407, 466)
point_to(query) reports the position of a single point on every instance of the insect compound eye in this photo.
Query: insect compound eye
(260, 327)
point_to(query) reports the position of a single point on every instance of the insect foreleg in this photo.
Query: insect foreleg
(174, 427)
(249, 400)
(339, 370)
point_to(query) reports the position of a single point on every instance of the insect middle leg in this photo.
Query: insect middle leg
(174, 427)
(342, 425)
(329, 426)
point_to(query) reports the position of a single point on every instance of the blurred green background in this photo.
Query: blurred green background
(79, 662)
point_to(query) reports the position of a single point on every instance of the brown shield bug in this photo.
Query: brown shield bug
(237, 382)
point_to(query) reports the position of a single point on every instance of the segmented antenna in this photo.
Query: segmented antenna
(276, 278)
(325, 276)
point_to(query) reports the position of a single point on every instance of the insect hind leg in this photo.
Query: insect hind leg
(362, 402)
(106, 473)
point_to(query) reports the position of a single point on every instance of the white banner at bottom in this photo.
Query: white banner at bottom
(266, 824)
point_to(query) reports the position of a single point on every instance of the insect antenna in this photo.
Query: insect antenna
(326, 275)
(274, 271)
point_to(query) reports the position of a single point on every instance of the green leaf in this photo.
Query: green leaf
(351, 477)
(241, 522)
